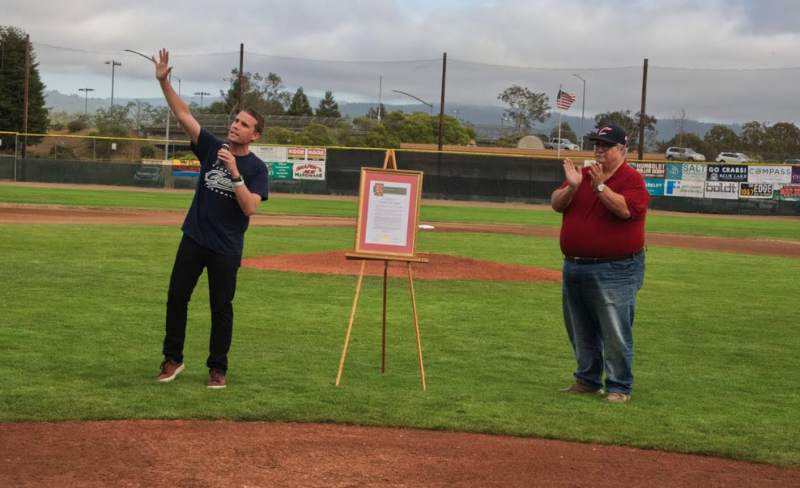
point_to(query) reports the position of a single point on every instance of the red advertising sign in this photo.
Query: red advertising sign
(315, 154)
(296, 154)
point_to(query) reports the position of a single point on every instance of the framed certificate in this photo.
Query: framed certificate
(388, 213)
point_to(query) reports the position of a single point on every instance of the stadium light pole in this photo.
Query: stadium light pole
(86, 100)
(583, 106)
(430, 105)
(113, 64)
(202, 94)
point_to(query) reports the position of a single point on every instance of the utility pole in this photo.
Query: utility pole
(25, 95)
(239, 106)
(202, 94)
(583, 107)
(441, 105)
(113, 64)
(642, 114)
(86, 100)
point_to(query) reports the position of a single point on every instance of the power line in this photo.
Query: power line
(410, 61)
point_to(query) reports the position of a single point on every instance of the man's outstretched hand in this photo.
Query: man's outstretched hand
(162, 65)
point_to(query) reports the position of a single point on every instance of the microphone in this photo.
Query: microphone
(226, 146)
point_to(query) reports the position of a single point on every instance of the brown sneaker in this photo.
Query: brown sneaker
(617, 397)
(581, 388)
(169, 370)
(217, 379)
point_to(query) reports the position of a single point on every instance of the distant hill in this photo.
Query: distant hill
(478, 115)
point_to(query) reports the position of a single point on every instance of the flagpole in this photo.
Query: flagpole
(558, 152)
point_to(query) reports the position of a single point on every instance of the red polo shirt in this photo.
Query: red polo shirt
(589, 229)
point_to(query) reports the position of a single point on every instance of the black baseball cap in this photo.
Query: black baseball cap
(611, 133)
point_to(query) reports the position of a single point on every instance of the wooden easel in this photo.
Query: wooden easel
(390, 162)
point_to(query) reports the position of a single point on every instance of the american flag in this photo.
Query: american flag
(564, 100)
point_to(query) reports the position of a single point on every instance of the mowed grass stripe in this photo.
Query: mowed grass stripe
(82, 311)
(788, 229)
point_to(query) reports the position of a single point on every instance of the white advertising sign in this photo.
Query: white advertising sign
(684, 188)
(270, 154)
(696, 172)
(728, 190)
(769, 174)
(309, 171)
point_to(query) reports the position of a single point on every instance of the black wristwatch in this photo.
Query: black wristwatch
(237, 179)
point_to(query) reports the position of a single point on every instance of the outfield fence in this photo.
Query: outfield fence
(449, 175)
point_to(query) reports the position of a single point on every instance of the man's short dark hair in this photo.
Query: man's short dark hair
(258, 117)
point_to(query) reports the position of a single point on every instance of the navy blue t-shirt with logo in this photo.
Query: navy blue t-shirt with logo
(215, 219)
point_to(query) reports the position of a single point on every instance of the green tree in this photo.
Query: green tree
(525, 107)
(722, 138)
(781, 141)
(264, 94)
(300, 104)
(372, 113)
(632, 125)
(566, 133)
(328, 106)
(752, 136)
(12, 88)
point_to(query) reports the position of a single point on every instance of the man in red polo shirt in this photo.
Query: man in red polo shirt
(602, 239)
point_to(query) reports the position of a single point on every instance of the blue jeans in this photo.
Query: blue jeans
(599, 302)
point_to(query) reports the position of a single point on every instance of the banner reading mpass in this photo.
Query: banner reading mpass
(769, 174)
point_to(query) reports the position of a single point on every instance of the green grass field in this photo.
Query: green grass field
(689, 225)
(82, 312)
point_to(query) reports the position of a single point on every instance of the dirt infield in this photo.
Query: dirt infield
(438, 267)
(255, 454)
(35, 214)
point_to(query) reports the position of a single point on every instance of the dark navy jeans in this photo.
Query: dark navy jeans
(599, 302)
(190, 261)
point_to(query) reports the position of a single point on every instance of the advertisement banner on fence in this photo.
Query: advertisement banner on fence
(654, 186)
(316, 154)
(788, 192)
(652, 170)
(270, 154)
(296, 154)
(755, 190)
(185, 167)
(769, 174)
(694, 172)
(309, 171)
(722, 189)
(684, 188)
(678, 171)
(726, 172)
(280, 171)
(796, 175)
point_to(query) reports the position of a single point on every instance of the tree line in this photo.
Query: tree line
(377, 128)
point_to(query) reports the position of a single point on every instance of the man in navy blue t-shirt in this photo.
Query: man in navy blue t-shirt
(232, 183)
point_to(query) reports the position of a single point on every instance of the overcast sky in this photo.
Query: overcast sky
(719, 60)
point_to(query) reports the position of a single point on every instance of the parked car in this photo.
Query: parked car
(556, 143)
(791, 161)
(732, 157)
(149, 176)
(683, 154)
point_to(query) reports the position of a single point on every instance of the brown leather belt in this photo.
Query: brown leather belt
(581, 260)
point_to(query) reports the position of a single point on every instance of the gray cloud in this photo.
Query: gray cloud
(535, 43)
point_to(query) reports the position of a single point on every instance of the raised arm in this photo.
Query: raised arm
(561, 198)
(178, 106)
